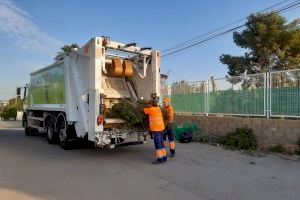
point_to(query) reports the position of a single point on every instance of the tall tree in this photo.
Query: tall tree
(272, 43)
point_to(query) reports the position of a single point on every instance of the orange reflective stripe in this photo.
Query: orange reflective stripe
(172, 145)
(159, 153)
(164, 152)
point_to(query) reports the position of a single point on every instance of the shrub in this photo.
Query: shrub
(278, 148)
(9, 112)
(289, 149)
(242, 138)
(297, 152)
(298, 142)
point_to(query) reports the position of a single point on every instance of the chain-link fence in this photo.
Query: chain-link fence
(274, 94)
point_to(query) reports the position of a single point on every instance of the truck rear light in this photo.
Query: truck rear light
(99, 120)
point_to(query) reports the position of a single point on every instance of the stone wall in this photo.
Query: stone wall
(268, 131)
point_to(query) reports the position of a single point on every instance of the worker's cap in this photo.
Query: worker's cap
(167, 100)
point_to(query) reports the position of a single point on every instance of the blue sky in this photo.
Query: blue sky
(32, 31)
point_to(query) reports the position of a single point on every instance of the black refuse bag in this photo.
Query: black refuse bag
(186, 137)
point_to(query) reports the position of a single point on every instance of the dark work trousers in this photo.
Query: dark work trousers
(169, 134)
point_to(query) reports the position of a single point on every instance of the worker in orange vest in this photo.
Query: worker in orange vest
(168, 133)
(157, 127)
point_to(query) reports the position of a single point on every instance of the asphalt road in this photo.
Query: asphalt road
(30, 168)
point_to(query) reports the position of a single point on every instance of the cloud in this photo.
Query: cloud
(17, 24)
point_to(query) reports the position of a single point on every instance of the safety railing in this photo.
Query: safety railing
(273, 94)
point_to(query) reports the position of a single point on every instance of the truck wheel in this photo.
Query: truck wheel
(28, 131)
(51, 135)
(63, 136)
(26, 128)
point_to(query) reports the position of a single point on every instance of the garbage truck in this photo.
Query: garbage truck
(68, 99)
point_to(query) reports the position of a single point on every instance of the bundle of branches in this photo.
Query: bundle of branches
(131, 112)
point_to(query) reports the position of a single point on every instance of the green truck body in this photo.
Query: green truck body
(48, 86)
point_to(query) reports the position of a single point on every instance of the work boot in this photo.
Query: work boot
(165, 159)
(158, 161)
(172, 155)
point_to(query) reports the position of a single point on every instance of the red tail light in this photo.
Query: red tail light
(99, 120)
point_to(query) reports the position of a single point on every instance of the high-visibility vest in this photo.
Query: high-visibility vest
(156, 121)
(170, 114)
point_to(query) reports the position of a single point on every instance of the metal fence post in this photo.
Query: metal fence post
(265, 94)
(205, 93)
(207, 97)
(268, 96)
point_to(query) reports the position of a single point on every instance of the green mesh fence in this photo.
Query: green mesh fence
(194, 103)
(248, 102)
(226, 102)
(285, 93)
(249, 95)
(285, 101)
(189, 97)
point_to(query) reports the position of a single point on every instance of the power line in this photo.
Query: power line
(292, 8)
(218, 29)
(211, 32)
(287, 7)
(202, 41)
(225, 32)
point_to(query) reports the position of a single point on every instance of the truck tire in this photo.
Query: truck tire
(29, 131)
(26, 128)
(64, 140)
(64, 137)
(51, 135)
